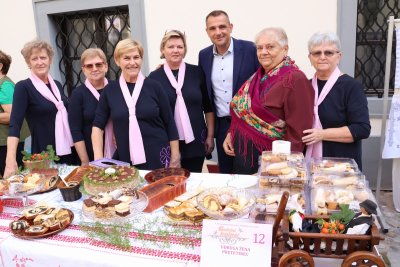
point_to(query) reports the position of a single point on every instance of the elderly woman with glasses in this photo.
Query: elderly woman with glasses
(341, 118)
(41, 101)
(83, 104)
(276, 103)
(143, 124)
(187, 93)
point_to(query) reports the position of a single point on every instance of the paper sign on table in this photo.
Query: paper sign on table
(233, 243)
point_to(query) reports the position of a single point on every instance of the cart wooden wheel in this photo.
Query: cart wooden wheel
(296, 258)
(363, 259)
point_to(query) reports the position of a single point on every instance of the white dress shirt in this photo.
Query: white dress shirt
(222, 80)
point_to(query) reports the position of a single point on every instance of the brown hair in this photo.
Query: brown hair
(6, 61)
(216, 13)
(170, 35)
(125, 45)
(36, 44)
(93, 52)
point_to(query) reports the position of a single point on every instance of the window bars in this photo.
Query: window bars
(77, 31)
(371, 41)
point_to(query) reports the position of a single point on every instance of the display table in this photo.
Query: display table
(72, 247)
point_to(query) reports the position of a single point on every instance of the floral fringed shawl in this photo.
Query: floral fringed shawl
(250, 119)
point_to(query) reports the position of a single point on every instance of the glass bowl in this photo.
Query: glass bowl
(226, 203)
(18, 186)
(109, 217)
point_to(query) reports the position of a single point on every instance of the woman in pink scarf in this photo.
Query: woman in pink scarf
(274, 104)
(341, 117)
(144, 127)
(40, 100)
(83, 104)
(187, 93)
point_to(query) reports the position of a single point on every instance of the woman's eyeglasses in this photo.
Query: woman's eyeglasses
(98, 65)
(327, 53)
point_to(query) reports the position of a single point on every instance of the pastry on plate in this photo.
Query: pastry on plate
(19, 225)
(33, 212)
(36, 230)
(122, 209)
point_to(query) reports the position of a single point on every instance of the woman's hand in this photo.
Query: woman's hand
(312, 136)
(340, 134)
(11, 168)
(209, 145)
(175, 161)
(228, 147)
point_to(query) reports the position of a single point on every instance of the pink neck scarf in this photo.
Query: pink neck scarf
(62, 132)
(315, 150)
(181, 115)
(136, 148)
(109, 146)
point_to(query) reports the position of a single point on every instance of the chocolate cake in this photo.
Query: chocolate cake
(103, 180)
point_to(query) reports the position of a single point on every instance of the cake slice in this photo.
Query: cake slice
(36, 230)
(32, 213)
(122, 209)
(89, 204)
(19, 225)
(194, 215)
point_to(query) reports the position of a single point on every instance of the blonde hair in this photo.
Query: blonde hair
(125, 45)
(91, 53)
(170, 35)
(36, 44)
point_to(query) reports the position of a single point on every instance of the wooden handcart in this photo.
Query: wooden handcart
(355, 250)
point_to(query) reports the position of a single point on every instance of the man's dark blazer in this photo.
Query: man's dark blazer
(245, 63)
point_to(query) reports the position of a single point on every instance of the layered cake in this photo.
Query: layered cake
(104, 180)
(109, 205)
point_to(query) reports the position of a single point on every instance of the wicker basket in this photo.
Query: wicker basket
(36, 164)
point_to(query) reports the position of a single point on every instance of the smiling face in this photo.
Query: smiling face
(325, 58)
(130, 63)
(269, 52)
(219, 31)
(39, 63)
(94, 69)
(174, 52)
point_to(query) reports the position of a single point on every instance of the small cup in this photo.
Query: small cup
(70, 193)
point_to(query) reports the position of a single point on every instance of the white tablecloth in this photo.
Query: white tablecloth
(72, 247)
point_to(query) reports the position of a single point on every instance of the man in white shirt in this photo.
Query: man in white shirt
(226, 64)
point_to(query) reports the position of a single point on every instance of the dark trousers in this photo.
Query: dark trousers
(3, 155)
(225, 162)
(70, 159)
(194, 164)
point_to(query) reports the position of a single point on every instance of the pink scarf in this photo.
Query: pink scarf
(181, 115)
(62, 132)
(109, 146)
(136, 148)
(315, 150)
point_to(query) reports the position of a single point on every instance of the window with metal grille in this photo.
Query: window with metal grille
(77, 31)
(371, 42)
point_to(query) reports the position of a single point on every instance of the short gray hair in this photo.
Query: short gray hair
(280, 33)
(323, 37)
